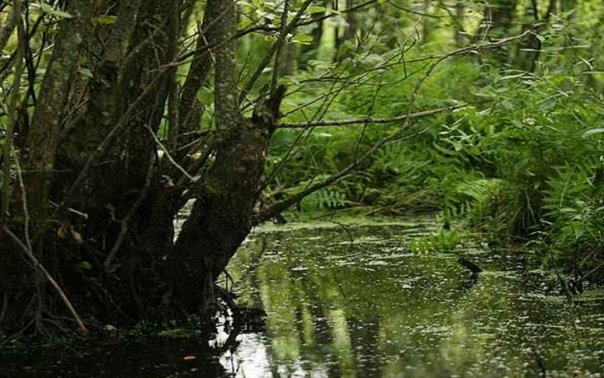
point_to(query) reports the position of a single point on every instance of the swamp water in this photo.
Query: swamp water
(353, 301)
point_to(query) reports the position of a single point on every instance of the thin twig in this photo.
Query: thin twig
(48, 276)
(125, 222)
(368, 120)
(273, 49)
(169, 157)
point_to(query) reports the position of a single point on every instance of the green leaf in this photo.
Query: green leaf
(86, 73)
(106, 20)
(316, 9)
(205, 96)
(84, 265)
(579, 232)
(591, 132)
(48, 9)
(303, 39)
(507, 105)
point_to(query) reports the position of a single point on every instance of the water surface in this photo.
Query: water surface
(354, 301)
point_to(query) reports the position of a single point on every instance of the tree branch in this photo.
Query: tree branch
(273, 49)
(368, 120)
(199, 72)
(48, 276)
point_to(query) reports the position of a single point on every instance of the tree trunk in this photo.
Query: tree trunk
(460, 17)
(497, 23)
(43, 137)
(7, 28)
(350, 32)
(309, 51)
(190, 108)
(90, 150)
(222, 214)
(529, 49)
(103, 189)
(287, 62)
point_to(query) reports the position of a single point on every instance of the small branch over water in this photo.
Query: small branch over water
(368, 120)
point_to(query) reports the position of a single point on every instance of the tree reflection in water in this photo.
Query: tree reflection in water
(373, 309)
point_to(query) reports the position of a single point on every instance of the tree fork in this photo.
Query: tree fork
(222, 214)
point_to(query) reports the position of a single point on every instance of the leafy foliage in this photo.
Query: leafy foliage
(522, 162)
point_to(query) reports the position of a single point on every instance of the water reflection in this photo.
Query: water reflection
(367, 307)
(354, 302)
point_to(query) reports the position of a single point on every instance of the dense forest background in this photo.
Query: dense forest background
(116, 114)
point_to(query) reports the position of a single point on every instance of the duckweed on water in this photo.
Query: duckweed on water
(355, 301)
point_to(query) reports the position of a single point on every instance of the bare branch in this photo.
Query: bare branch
(368, 120)
(169, 157)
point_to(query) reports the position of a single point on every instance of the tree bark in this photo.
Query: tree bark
(222, 214)
(8, 26)
(190, 108)
(43, 137)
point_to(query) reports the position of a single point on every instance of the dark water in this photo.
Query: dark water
(354, 302)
